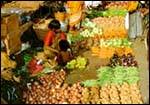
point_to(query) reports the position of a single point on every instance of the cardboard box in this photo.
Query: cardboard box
(4, 30)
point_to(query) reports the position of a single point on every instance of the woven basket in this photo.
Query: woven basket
(40, 33)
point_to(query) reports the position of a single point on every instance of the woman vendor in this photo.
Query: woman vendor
(52, 39)
(56, 44)
(74, 9)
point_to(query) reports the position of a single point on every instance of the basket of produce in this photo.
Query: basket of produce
(41, 28)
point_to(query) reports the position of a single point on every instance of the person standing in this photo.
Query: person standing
(74, 11)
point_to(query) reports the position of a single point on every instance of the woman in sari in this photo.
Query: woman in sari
(74, 13)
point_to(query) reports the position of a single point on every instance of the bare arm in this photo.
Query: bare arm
(51, 49)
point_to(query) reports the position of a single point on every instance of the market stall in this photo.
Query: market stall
(106, 67)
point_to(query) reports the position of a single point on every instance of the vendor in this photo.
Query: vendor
(65, 54)
(52, 38)
(74, 10)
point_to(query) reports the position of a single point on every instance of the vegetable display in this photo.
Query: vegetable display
(92, 13)
(124, 60)
(112, 26)
(104, 94)
(117, 5)
(117, 74)
(115, 12)
(106, 48)
(39, 94)
(78, 63)
(91, 32)
(89, 83)
(107, 13)
(118, 42)
(114, 94)
(108, 52)
(52, 90)
(135, 94)
(74, 38)
(88, 23)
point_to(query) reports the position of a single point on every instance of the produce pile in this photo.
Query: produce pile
(113, 75)
(108, 47)
(39, 93)
(117, 5)
(108, 52)
(112, 26)
(103, 52)
(118, 42)
(78, 63)
(124, 60)
(91, 32)
(128, 5)
(107, 13)
(52, 90)
(105, 27)
(112, 94)
(118, 84)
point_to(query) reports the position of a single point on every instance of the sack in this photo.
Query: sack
(7, 74)
(6, 62)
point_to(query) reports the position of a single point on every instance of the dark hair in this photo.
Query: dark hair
(54, 24)
(64, 45)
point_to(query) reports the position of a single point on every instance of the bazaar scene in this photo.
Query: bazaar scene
(74, 52)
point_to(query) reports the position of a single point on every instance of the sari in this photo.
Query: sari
(75, 12)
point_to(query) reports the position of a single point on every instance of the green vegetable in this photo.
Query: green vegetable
(89, 83)
(93, 14)
(115, 12)
(117, 74)
(78, 63)
(107, 13)
(74, 38)
(118, 42)
(46, 70)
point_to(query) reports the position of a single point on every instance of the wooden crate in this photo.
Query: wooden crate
(9, 18)
(13, 42)
(9, 23)
(12, 26)
(3, 30)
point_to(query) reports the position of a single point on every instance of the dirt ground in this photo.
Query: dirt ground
(94, 63)
(141, 54)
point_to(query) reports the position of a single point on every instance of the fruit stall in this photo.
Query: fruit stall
(109, 65)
